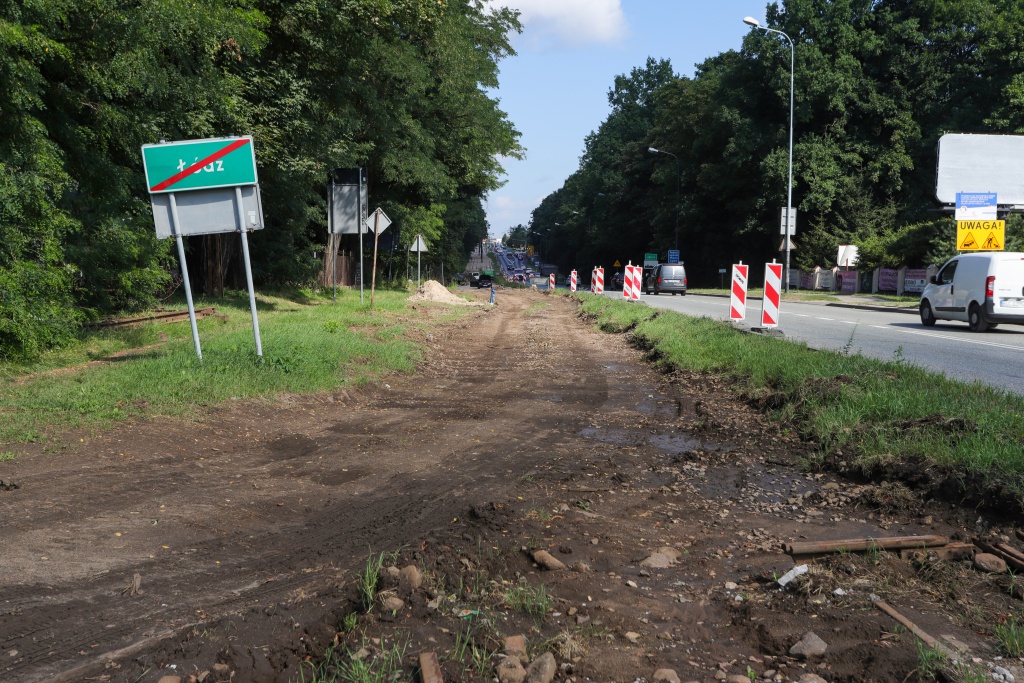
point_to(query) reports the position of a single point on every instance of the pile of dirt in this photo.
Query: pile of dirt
(432, 290)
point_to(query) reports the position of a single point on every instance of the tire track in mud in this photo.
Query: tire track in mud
(93, 618)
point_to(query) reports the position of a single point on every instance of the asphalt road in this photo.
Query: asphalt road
(993, 358)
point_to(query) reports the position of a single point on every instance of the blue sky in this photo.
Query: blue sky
(555, 90)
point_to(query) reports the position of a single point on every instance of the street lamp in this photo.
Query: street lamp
(652, 150)
(751, 21)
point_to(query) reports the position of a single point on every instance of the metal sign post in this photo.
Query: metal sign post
(380, 224)
(419, 246)
(248, 274)
(331, 246)
(176, 230)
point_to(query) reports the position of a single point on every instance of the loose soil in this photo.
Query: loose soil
(230, 548)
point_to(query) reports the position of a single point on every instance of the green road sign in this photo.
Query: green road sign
(199, 164)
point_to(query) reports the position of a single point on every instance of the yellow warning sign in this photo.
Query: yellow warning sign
(980, 235)
(617, 264)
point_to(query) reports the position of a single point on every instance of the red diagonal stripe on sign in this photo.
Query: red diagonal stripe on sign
(222, 152)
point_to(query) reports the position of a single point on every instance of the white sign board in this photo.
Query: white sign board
(847, 257)
(379, 219)
(419, 244)
(977, 206)
(981, 163)
(792, 221)
(205, 212)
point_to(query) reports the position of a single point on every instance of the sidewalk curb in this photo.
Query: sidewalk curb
(837, 304)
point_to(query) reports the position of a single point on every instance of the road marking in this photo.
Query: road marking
(820, 318)
(849, 322)
(951, 338)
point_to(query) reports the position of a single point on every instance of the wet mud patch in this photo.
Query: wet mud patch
(290, 447)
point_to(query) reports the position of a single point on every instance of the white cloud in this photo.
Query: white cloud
(578, 22)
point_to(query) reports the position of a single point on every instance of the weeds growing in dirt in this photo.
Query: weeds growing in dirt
(931, 661)
(961, 671)
(384, 666)
(6, 456)
(1010, 635)
(349, 622)
(470, 652)
(368, 580)
(529, 600)
(542, 515)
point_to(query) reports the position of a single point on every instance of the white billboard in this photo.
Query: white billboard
(981, 163)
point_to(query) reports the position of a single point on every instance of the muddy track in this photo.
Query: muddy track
(523, 428)
(236, 511)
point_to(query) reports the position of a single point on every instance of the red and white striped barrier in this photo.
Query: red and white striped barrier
(631, 282)
(738, 303)
(772, 287)
(572, 281)
(551, 281)
(598, 281)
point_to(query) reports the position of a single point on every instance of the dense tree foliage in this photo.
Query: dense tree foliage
(877, 82)
(396, 86)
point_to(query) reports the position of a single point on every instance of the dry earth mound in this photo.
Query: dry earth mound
(432, 290)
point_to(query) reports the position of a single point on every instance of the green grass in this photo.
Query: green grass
(529, 600)
(368, 580)
(881, 411)
(384, 665)
(1010, 636)
(309, 345)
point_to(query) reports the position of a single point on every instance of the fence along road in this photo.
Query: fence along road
(995, 358)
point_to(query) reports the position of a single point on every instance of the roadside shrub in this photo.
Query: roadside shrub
(37, 310)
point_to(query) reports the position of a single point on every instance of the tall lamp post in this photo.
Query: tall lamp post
(652, 150)
(751, 21)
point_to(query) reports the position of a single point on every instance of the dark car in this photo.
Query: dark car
(667, 277)
(485, 281)
(459, 279)
(616, 282)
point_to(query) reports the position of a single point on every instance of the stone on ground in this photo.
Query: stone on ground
(542, 669)
(809, 646)
(665, 676)
(511, 671)
(990, 563)
(515, 646)
(547, 560)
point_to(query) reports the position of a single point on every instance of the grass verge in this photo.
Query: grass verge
(890, 415)
(309, 344)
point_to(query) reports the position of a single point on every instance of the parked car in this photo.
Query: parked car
(485, 281)
(667, 277)
(982, 290)
(474, 279)
(459, 279)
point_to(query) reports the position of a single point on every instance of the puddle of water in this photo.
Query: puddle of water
(670, 444)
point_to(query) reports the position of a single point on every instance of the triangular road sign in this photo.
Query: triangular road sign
(617, 264)
(418, 244)
(969, 242)
(991, 242)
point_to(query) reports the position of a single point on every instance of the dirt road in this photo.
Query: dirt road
(229, 549)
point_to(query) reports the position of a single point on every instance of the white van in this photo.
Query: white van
(981, 289)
